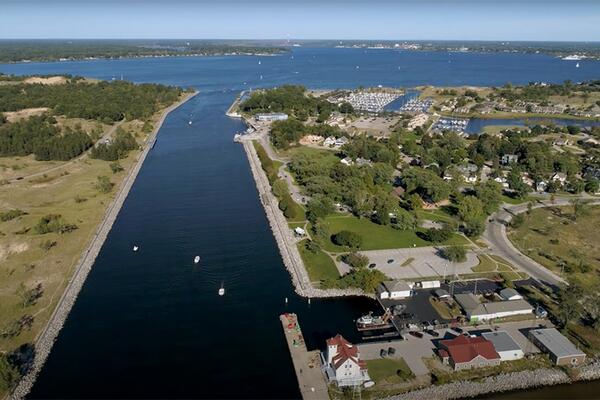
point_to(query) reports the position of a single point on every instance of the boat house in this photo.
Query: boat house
(558, 347)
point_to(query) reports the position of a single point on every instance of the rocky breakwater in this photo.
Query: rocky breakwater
(497, 383)
(283, 235)
(47, 337)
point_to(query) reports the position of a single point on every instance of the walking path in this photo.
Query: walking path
(46, 338)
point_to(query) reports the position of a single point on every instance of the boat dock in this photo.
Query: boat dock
(307, 364)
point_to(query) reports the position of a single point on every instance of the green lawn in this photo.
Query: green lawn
(435, 215)
(377, 237)
(512, 200)
(389, 370)
(318, 265)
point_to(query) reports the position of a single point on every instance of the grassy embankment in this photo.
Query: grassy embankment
(49, 259)
(564, 244)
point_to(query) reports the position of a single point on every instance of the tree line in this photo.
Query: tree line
(40, 136)
(104, 101)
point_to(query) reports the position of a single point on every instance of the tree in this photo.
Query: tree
(580, 208)
(104, 185)
(490, 194)
(356, 260)
(592, 186)
(9, 374)
(455, 253)
(348, 239)
(318, 207)
(570, 308)
(415, 202)
(439, 235)
(470, 209)
(404, 220)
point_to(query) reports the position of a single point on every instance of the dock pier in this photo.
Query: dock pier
(307, 364)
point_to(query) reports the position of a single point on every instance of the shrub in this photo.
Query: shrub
(348, 239)
(355, 260)
(53, 223)
(439, 235)
(47, 245)
(11, 214)
(455, 253)
(115, 167)
(104, 185)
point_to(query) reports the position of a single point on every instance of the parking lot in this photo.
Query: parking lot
(418, 308)
(414, 263)
(412, 349)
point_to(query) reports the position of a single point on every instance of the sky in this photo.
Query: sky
(566, 20)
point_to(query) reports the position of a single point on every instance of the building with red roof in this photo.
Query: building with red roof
(343, 364)
(464, 352)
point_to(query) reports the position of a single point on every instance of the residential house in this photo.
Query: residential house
(558, 347)
(342, 363)
(329, 142)
(347, 161)
(559, 177)
(464, 352)
(541, 186)
(509, 159)
(505, 345)
(340, 142)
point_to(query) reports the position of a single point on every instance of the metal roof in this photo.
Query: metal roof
(556, 343)
(502, 341)
(396, 286)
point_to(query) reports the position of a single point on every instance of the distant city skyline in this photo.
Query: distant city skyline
(535, 20)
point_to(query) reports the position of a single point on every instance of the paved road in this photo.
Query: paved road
(495, 235)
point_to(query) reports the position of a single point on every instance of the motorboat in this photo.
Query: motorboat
(196, 259)
(222, 291)
(135, 248)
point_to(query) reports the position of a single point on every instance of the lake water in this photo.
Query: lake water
(150, 324)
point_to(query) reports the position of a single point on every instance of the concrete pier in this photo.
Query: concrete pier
(307, 364)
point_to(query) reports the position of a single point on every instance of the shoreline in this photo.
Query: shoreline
(45, 340)
(503, 383)
(283, 236)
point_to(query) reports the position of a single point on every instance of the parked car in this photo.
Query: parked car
(432, 332)
(457, 329)
(383, 353)
(416, 334)
(391, 351)
(373, 265)
(391, 260)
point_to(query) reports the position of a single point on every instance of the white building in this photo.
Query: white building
(347, 161)
(505, 345)
(510, 294)
(330, 141)
(342, 363)
(559, 177)
(394, 290)
(271, 117)
(478, 311)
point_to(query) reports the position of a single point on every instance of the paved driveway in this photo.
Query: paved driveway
(415, 263)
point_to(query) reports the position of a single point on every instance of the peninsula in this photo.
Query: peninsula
(70, 150)
(458, 233)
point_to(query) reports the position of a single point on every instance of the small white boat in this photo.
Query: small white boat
(258, 62)
(196, 259)
(189, 123)
(135, 248)
(577, 65)
(222, 291)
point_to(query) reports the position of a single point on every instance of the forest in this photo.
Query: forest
(40, 136)
(103, 101)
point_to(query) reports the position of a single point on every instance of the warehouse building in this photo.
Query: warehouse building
(558, 347)
(505, 345)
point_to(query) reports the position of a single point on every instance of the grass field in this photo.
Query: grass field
(318, 265)
(49, 259)
(554, 239)
(377, 237)
(389, 371)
